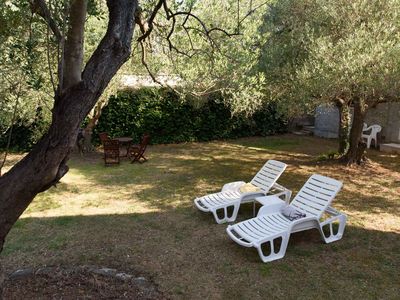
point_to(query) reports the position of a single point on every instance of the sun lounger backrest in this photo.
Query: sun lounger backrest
(316, 195)
(268, 175)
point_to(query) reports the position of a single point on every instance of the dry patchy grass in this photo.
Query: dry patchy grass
(142, 216)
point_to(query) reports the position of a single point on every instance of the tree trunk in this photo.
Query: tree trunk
(94, 118)
(74, 44)
(2, 278)
(355, 153)
(46, 163)
(344, 126)
(88, 131)
(96, 113)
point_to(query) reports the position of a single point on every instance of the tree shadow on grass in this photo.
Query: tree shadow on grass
(386, 160)
(375, 204)
(190, 256)
(180, 173)
(309, 145)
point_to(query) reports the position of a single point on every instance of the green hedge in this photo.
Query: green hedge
(167, 119)
(26, 134)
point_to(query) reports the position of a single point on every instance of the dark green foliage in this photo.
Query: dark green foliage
(168, 119)
(25, 134)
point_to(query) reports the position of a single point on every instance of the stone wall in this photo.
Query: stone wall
(385, 114)
(326, 121)
(388, 116)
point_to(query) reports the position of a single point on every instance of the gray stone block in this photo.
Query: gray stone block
(326, 121)
(391, 148)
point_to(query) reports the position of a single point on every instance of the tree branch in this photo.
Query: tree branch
(139, 21)
(147, 27)
(74, 44)
(144, 63)
(11, 128)
(39, 7)
(252, 10)
(203, 25)
(114, 49)
(48, 59)
(150, 21)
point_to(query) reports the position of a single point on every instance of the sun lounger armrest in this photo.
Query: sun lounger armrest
(307, 223)
(335, 215)
(237, 238)
(283, 193)
(232, 186)
(367, 129)
(333, 212)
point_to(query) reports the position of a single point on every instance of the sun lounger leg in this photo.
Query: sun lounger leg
(226, 218)
(274, 254)
(332, 235)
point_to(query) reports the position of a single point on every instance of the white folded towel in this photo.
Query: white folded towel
(291, 213)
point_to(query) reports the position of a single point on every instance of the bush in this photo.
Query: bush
(168, 119)
(25, 134)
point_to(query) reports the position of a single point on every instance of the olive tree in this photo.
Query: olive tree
(78, 89)
(341, 52)
(357, 63)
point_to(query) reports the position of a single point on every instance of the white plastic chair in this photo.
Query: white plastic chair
(372, 135)
(230, 196)
(268, 229)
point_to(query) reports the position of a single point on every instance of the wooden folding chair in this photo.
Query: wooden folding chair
(136, 152)
(111, 152)
(103, 137)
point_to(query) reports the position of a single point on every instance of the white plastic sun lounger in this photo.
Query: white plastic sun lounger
(267, 230)
(227, 202)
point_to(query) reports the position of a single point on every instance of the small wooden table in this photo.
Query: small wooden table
(125, 141)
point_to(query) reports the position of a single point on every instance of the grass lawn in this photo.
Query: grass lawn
(142, 217)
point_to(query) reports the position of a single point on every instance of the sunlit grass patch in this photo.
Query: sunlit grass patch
(46, 202)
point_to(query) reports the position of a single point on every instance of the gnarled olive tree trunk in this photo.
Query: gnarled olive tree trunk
(46, 163)
(355, 154)
(344, 125)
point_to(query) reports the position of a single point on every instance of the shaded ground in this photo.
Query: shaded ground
(142, 216)
(77, 283)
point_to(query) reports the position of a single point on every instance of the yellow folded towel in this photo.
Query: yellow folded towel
(249, 188)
